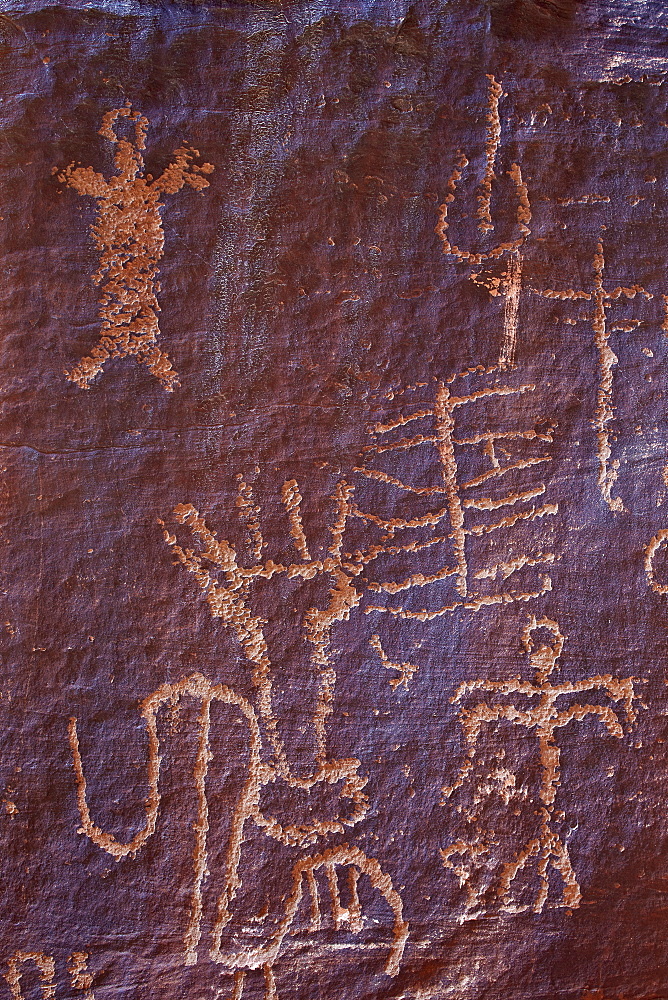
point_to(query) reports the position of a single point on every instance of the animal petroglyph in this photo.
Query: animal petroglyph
(509, 282)
(473, 857)
(435, 477)
(130, 239)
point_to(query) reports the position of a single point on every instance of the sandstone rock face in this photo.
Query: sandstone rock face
(334, 500)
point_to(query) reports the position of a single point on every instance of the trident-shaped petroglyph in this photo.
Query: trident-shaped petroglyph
(509, 283)
(542, 716)
(130, 239)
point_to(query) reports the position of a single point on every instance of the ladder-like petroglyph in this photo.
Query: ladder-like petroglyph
(130, 239)
(449, 489)
(474, 857)
(507, 283)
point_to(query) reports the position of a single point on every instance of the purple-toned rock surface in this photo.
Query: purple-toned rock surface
(334, 500)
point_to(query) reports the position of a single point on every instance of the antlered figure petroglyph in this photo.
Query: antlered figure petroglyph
(130, 238)
(228, 588)
(541, 716)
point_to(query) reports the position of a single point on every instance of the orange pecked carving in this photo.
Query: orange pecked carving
(473, 858)
(229, 585)
(509, 283)
(129, 236)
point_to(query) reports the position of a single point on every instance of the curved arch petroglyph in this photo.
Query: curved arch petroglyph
(77, 967)
(353, 860)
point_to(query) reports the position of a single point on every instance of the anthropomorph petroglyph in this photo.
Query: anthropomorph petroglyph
(508, 283)
(474, 858)
(129, 236)
(227, 581)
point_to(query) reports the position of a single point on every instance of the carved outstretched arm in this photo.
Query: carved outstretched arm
(183, 171)
(608, 717)
(512, 686)
(618, 689)
(85, 180)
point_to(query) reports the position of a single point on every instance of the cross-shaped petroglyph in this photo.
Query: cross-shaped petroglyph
(130, 238)
(509, 282)
(602, 299)
(539, 714)
(227, 583)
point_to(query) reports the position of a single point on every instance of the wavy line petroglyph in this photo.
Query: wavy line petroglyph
(195, 686)
(473, 858)
(130, 239)
(404, 670)
(509, 283)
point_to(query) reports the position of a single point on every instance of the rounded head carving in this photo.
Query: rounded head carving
(543, 655)
(128, 158)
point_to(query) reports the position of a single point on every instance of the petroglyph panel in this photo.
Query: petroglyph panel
(340, 671)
